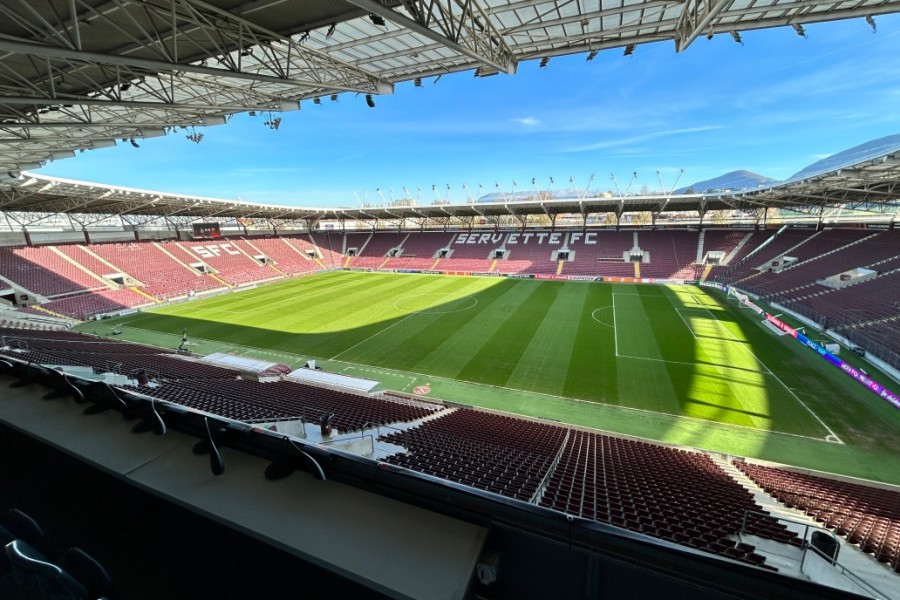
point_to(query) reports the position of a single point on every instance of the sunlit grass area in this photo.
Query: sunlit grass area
(549, 349)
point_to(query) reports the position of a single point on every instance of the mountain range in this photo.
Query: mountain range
(734, 180)
(741, 180)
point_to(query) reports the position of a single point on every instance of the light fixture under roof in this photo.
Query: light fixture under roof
(629, 49)
(592, 54)
(370, 102)
(871, 21)
(377, 20)
(545, 61)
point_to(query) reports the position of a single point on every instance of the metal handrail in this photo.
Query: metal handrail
(833, 561)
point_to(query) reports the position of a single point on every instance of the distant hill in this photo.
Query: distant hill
(855, 155)
(735, 180)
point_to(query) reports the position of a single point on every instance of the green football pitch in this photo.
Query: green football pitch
(675, 363)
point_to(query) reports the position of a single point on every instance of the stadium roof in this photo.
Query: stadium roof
(86, 74)
(869, 182)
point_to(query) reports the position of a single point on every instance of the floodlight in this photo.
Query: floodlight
(871, 21)
(737, 37)
(370, 102)
(417, 82)
(629, 50)
(592, 54)
(799, 29)
(153, 132)
(545, 61)
(330, 31)
(377, 20)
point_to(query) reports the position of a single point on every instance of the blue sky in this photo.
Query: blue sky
(772, 105)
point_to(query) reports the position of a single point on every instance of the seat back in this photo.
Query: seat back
(23, 527)
(90, 573)
(37, 578)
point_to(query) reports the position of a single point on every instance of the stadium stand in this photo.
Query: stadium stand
(329, 246)
(469, 257)
(374, 249)
(420, 250)
(865, 516)
(775, 245)
(42, 271)
(672, 254)
(825, 257)
(210, 388)
(288, 258)
(231, 264)
(756, 239)
(601, 258)
(630, 484)
(91, 262)
(862, 312)
(161, 275)
(501, 454)
(355, 242)
(85, 306)
(534, 257)
(626, 483)
(725, 241)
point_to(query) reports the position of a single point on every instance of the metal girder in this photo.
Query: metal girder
(159, 66)
(150, 64)
(462, 26)
(695, 17)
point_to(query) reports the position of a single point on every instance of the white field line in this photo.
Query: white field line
(832, 436)
(717, 367)
(432, 377)
(394, 324)
(767, 371)
(594, 316)
(615, 324)
(691, 364)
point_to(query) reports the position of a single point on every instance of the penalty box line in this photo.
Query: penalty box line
(832, 436)
(687, 324)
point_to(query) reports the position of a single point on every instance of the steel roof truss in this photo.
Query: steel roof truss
(462, 26)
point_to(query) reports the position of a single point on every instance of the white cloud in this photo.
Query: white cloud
(527, 121)
(616, 143)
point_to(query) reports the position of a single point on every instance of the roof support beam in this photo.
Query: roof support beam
(695, 17)
(464, 28)
(81, 56)
(38, 101)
